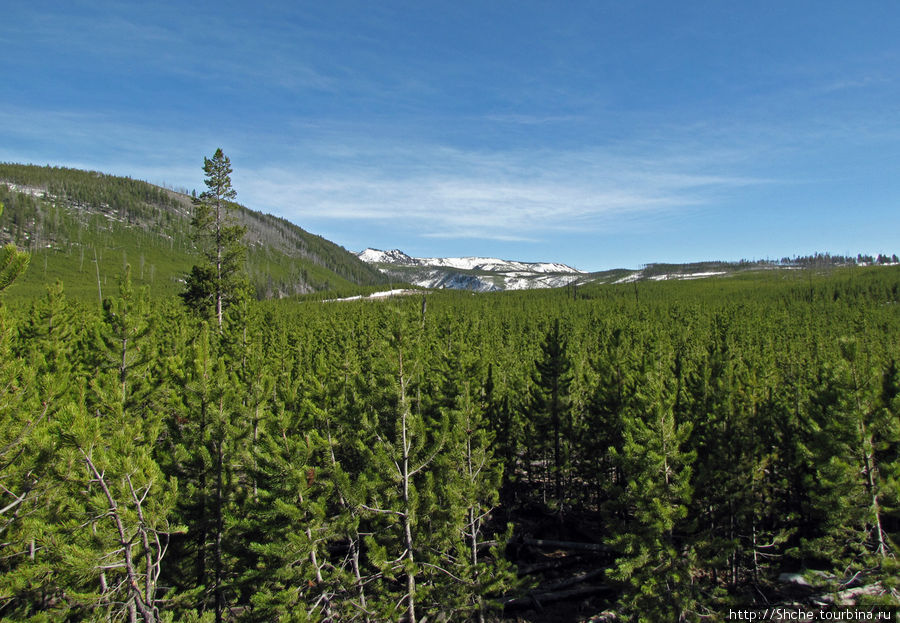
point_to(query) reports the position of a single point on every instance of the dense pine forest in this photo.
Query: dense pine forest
(661, 451)
(362, 461)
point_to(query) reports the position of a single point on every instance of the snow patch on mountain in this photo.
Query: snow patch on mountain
(639, 276)
(374, 295)
(377, 256)
(492, 264)
(488, 264)
(479, 274)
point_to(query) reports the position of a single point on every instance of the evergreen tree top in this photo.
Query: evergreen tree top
(218, 177)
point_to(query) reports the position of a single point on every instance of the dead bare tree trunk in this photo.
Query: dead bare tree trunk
(353, 537)
(148, 611)
(405, 478)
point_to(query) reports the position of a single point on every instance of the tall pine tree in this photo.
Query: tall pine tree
(657, 560)
(214, 284)
(550, 407)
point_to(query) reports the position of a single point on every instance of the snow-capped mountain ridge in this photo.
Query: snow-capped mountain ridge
(490, 264)
(482, 274)
(396, 256)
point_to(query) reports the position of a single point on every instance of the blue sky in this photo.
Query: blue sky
(600, 134)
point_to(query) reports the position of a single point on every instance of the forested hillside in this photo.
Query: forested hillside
(83, 227)
(663, 451)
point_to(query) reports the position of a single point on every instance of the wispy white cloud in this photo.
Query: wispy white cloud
(522, 119)
(434, 191)
(479, 235)
(859, 82)
(492, 195)
(104, 142)
(202, 48)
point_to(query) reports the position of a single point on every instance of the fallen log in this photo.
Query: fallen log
(572, 581)
(537, 599)
(586, 547)
(549, 565)
(850, 596)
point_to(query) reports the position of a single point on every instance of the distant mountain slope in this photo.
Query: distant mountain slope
(69, 219)
(481, 274)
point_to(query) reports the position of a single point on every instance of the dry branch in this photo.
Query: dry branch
(536, 599)
(586, 547)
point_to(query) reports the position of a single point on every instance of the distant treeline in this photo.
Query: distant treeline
(818, 260)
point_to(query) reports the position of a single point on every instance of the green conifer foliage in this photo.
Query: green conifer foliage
(402, 479)
(113, 491)
(507, 431)
(207, 436)
(550, 409)
(855, 433)
(888, 449)
(216, 283)
(48, 340)
(291, 579)
(472, 487)
(117, 514)
(657, 561)
(123, 346)
(49, 352)
(356, 397)
(341, 461)
(610, 371)
(25, 451)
